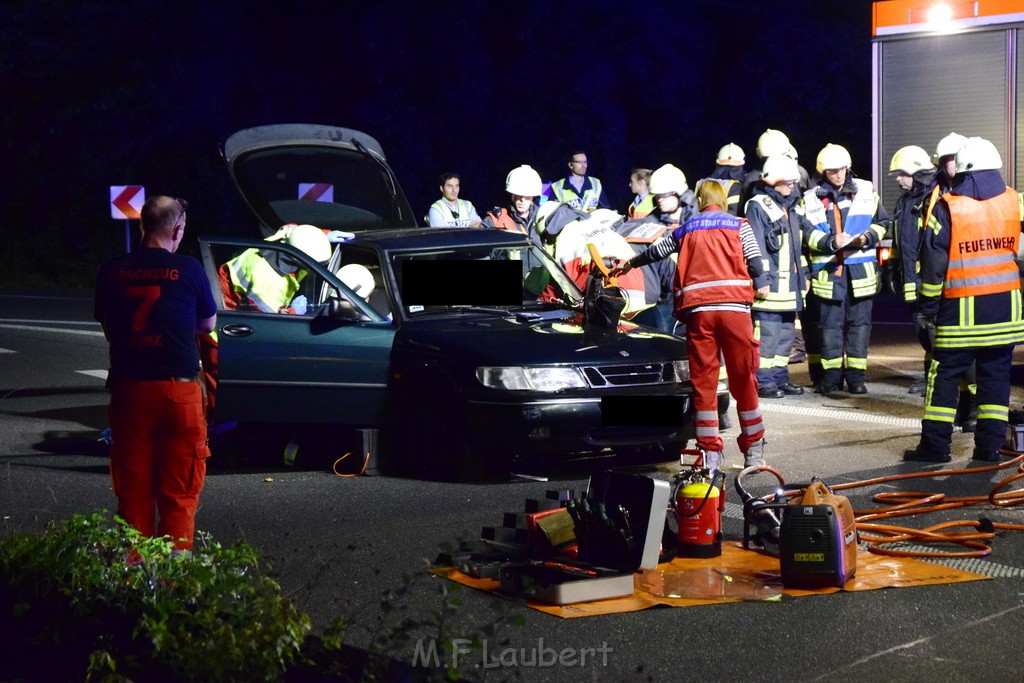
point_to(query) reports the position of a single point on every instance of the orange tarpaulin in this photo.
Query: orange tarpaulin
(738, 575)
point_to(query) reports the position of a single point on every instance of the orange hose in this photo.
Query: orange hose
(906, 503)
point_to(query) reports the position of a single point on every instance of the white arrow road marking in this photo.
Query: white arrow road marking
(100, 374)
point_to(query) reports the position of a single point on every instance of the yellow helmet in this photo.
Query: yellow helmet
(772, 142)
(833, 156)
(731, 155)
(358, 278)
(306, 238)
(910, 160)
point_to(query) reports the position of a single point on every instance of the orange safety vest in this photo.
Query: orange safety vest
(504, 221)
(982, 245)
(711, 268)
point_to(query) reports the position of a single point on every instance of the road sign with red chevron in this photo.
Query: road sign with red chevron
(126, 201)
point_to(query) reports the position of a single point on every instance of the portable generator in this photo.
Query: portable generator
(817, 539)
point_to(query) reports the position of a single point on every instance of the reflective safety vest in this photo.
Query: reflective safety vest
(782, 258)
(503, 221)
(642, 208)
(253, 279)
(711, 268)
(984, 236)
(570, 250)
(460, 218)
(563, 191)
(856, 215)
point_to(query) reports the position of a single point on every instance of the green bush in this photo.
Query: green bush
(88, 595)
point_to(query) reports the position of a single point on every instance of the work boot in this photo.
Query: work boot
(826, 389)
(986, 454)
(713, 460)
(916, 389)
(769, 391)
(966, 417)
(857, 387)
(791, 389)
(918, 455)
(754, 455)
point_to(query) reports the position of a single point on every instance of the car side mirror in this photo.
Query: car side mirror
(341, 309)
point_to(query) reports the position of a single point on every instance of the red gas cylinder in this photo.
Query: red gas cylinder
(699, 506)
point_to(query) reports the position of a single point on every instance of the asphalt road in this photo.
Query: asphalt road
(337, 545)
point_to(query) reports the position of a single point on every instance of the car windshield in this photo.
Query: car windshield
(481, 277)
(336, 189)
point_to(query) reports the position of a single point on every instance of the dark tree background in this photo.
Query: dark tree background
(101, 93)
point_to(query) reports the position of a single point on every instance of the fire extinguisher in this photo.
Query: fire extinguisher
(698, 503)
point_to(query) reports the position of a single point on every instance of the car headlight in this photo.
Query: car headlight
(681, 368)
(518, 378)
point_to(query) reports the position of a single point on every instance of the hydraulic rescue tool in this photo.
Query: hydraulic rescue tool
(698, 504)
(816, 539)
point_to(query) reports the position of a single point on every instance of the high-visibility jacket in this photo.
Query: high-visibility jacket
(641, 207)
(461, 217)
(587, 199)
(964, 319)
(982, 246)
(906, 234)
(779, 231)
(853, 209)
(255, 281)
(711, 268)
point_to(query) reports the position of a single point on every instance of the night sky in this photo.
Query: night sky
(102, 93)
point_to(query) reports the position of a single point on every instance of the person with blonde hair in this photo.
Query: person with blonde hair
(718, 269)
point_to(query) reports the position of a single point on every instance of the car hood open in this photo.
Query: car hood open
(333, 178)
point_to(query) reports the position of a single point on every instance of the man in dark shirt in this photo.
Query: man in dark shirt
(152, 303)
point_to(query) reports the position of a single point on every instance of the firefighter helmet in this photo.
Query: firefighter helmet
(948, 146)
(910, 160)
(778, 168)
(731, 155)
(523, 181)
(544, 211)
(772, 142)
(978, 154)
(832, 157)
(358, 278)
(791, 153)
(668, 179)
(306, 238)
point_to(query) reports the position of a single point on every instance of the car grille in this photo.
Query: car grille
(629, 375)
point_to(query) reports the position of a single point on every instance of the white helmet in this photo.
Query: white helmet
(948, 146)
(832, 157)
(306, 238)
(668, 179)
(523, 181)
(791, 153)
(731, 155)
(772, 142)
(544, 211)
(910, 160)
(358, 278)
(978, 154)
(778, 168)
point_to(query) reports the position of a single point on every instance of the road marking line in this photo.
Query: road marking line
(100, 374)
(848, 415)
(62, 330)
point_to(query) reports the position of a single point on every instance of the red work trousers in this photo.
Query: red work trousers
(158, 455)
(732, 334)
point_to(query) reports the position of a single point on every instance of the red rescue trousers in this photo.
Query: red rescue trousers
(732, 334)
(158, 455)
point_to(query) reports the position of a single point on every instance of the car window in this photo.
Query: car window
(331, 189)
(459, 276)
(269, 280)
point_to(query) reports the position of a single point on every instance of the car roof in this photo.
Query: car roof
(426, 238)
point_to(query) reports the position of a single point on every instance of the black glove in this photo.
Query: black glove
(925, 324)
